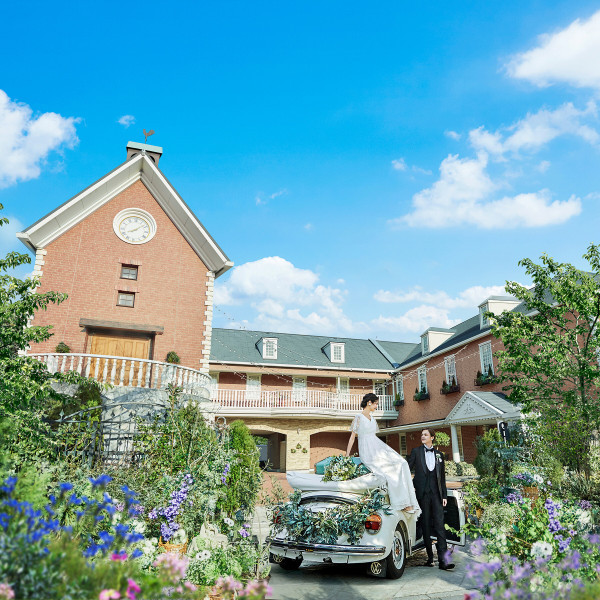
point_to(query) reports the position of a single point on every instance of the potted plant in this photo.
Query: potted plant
(398, 401)
(62, 348)
(421, 395)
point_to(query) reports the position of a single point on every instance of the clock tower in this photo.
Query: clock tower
(136, 263)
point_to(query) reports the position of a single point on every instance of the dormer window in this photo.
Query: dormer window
(424, 344)
(269, 349)
(484, 321)
(337, 353)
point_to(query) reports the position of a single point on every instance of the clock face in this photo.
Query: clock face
(134, 229)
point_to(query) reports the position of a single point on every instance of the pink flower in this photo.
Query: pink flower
(118, 556)
(132, 589)
(109, 595)
(6, 592)
(172, 565)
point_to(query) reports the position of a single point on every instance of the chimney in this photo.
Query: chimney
(152, 152)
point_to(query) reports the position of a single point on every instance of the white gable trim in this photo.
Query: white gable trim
(471, 408)
(56, 223)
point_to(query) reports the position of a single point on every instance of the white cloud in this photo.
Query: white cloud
(309, 226)
(260, 199)
(469, 298)
(453, 135)
(568, 56)
(543, 166)
(536, 130)
(416, 320)
(286, 298)
(399, 164)
(27, 140)
(462, 196)
(126, 120)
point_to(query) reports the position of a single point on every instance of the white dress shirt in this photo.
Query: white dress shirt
(430, 458)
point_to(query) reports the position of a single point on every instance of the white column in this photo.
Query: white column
(455, 448)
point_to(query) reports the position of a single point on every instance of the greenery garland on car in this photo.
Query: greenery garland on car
(325, 527)
(343, 468)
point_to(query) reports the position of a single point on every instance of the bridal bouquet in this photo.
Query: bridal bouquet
(343, 468)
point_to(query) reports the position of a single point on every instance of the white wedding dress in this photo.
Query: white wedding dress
(385, 461)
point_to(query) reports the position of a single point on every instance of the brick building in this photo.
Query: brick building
(137, 265)
(139, 269)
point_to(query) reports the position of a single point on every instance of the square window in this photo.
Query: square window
(129, 272)
(126, 299)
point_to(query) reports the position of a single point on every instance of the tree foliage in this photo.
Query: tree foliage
(25, 383)
(550, 361)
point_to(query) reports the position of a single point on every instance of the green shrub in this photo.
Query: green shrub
(172, 357)
(442, 439)
(62, 348)
(466, 469)
(499, 515)
(451, 468)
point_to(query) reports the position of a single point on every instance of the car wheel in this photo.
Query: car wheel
(396, 559)
(289, 564)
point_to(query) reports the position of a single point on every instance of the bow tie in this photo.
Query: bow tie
(429, 449)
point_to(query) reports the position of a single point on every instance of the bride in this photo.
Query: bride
(381, 459)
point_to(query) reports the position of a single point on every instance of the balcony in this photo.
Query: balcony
(128, 372)
(307, 403)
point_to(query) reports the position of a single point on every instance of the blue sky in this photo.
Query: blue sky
(371, 170)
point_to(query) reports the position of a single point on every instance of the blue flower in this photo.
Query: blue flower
(65, 487)
(101, 481)
(9, 485)
(137, 553)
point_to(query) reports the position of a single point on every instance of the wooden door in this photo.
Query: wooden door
(119, 372)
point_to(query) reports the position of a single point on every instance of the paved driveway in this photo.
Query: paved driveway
(316, 581)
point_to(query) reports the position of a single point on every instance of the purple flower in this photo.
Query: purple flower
(585, 504)
(514, 498)
(243, 532)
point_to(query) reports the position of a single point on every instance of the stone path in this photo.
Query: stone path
(317, 581)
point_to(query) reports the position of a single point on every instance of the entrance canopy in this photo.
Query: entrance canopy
(480, 408)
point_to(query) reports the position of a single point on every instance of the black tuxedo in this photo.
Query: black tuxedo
(430, 489)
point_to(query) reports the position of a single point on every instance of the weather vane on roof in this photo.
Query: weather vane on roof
(147, 134)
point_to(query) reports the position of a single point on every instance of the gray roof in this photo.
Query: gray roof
(497, 400)
(462, 332)
(241, 346)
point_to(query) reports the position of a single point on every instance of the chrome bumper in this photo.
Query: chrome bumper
(343, 549)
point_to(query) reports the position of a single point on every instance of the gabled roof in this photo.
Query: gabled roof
(297, 350)
(478, 406)
(54, 224)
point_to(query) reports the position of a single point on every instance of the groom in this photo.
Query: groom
(430, 489)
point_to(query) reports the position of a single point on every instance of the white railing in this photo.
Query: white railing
(124, 371)
(296, 400)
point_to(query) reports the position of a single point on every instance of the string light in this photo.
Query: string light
(403, 375)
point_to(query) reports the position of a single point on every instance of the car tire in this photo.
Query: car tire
(396, 559)
(289, 564)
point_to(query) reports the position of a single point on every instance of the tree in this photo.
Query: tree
(25, 383)
(552, 346)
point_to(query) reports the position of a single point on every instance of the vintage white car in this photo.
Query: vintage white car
(387, 541)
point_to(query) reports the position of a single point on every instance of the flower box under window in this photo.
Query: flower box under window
(421, 396)
(399, 403)
(486, 380)
(449, 389)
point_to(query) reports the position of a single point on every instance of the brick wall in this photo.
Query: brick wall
(85, 263)
(438, 406)
(327, 444)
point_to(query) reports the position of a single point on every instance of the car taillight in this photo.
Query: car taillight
(373, 523)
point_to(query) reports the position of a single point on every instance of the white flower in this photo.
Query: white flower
(204, 555)
(180, 537)
(138, 526)
(229, 522)
(538, 479)
(541, 549)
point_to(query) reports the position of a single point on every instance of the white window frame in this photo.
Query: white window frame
(269, 346)
(483, 349)
(400, 387)
(214, 384)
(339, 347)
(450, 366)
(483, 321)
(379, 386)
(343, 385)
(402, 444)
(253, 389)
(425, 344)
(422, 374)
